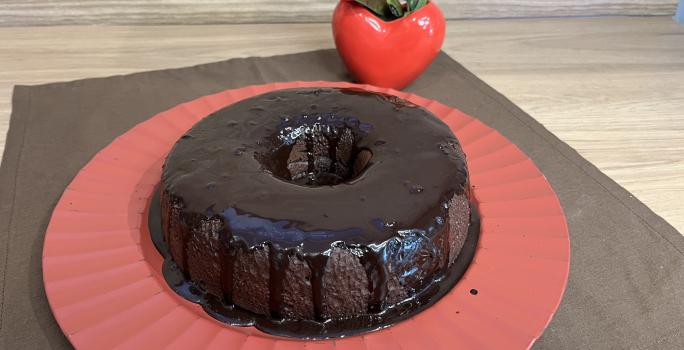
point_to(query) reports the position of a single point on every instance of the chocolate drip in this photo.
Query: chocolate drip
(317, 265)
(185, 237)
(442, 246)
(166, 207)
(377, 278)
(188, 224)
(227, 266)
(279, 262)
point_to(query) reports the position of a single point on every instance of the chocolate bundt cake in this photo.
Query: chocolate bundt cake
(315, 204)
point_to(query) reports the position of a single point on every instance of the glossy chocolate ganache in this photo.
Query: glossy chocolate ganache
(320, 212)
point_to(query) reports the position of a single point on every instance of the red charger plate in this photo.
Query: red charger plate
(103, 279)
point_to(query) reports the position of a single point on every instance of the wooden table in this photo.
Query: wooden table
(612, 88)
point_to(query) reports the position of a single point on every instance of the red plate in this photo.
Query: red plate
(103, 279)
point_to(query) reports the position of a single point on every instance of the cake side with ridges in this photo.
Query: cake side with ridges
(345, 288)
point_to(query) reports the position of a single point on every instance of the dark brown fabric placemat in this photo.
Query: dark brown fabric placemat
(626, 286)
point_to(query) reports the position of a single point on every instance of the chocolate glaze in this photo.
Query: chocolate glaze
(227, 313)
(312, 206)
(216, 167)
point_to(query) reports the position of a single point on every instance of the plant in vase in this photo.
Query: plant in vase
(387, 43)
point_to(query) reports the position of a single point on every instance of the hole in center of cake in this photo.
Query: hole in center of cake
(318, 150)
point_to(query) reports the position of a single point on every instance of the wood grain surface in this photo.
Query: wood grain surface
(147, 12)
(612, 88)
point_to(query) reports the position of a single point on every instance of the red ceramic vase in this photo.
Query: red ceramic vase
(388, 54)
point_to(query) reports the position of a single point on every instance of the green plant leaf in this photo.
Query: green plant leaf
(413, 5)
(379, 7)
(395, 8)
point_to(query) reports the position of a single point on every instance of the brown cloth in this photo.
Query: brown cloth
(626, 287)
